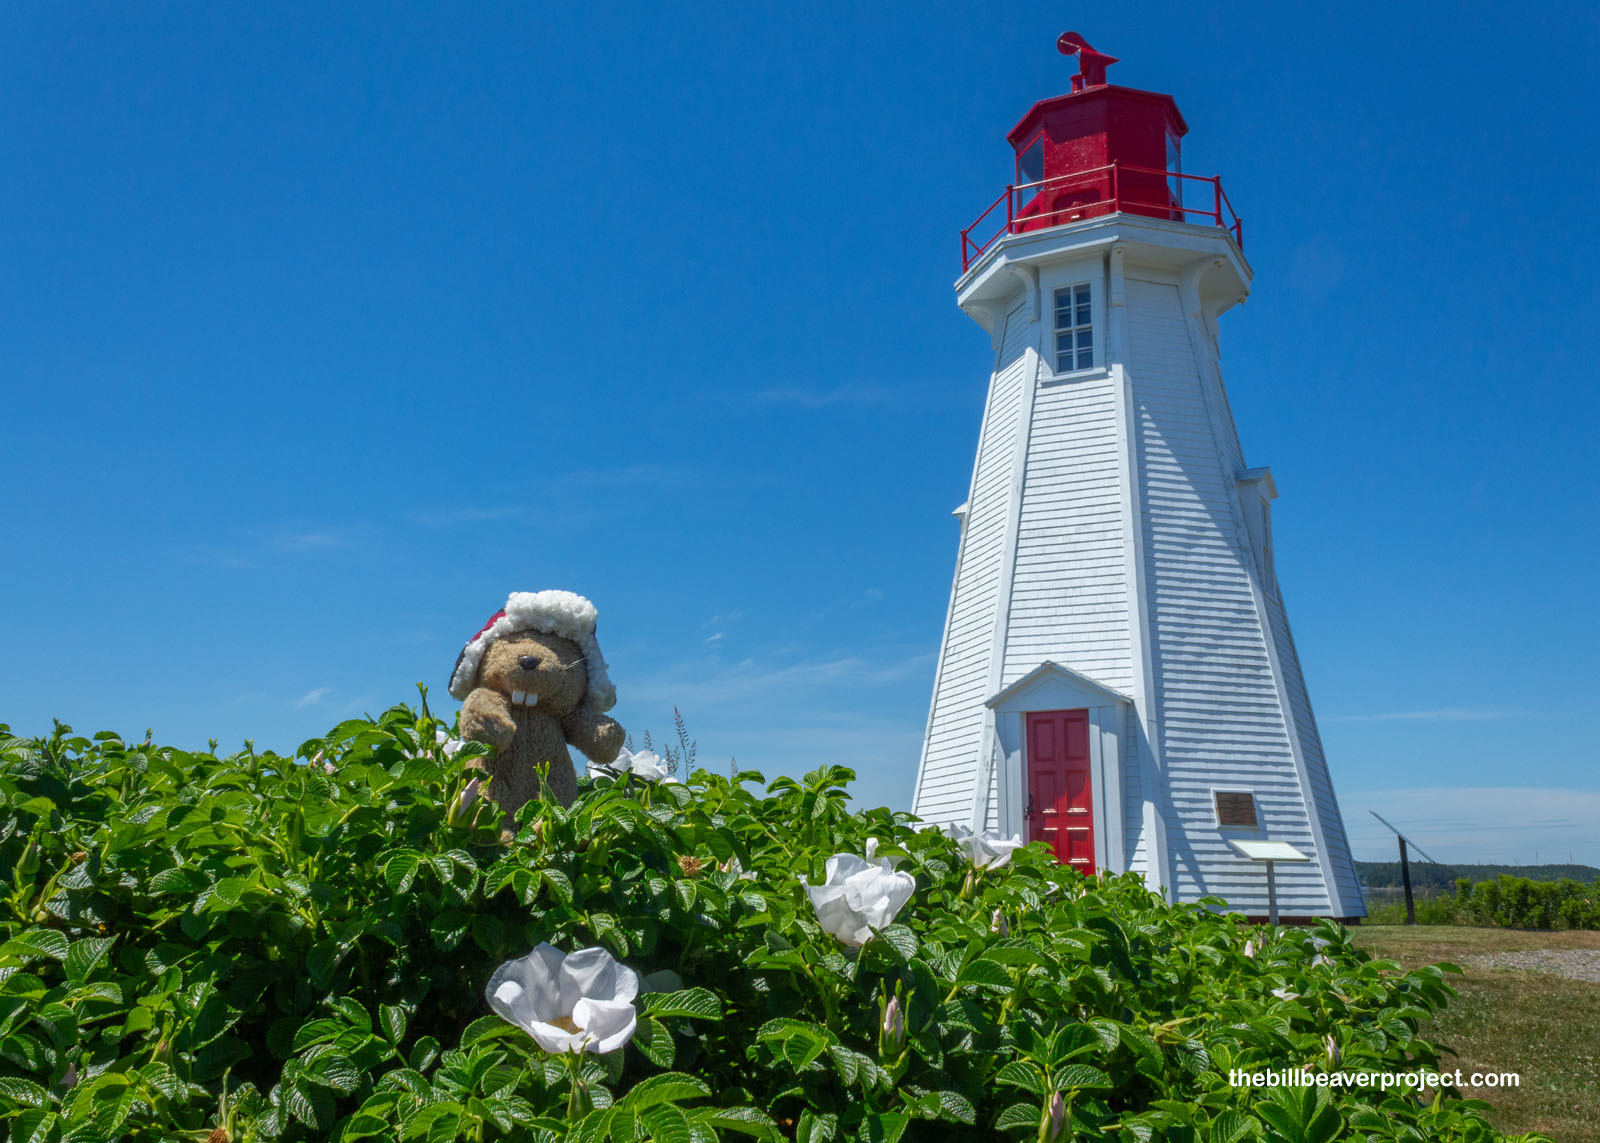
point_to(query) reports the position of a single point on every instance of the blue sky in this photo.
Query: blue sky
(323, 327)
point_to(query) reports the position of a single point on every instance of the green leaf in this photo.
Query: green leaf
(393, 1020)
(654, 1041)
(319, 1031)
(1230, 1126)
(1024, 1115)
(698, 1003)
(486, 1028)
(984, 972)
(1080, 1076)
(1023, 1075)
(957, 1107)
(884, 1128)
(85, 955)
(662, 1089)
(25, 1092)
(667, 1124)
(401, 870)
(351, 1009)
(901, 939)
(816, 1127)
(747, 1121)
(35, 943)
(310, 1103)
(35, 1126)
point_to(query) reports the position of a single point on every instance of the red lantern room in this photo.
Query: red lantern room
(1097, 150)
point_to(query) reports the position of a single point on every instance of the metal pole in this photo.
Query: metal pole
(1272, 896)
(1405, 879)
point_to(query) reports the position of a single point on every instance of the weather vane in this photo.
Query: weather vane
(1091, 64)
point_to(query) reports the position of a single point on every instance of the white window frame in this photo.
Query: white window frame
(1074, 310)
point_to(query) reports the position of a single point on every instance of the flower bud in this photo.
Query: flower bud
(464, 802)
(999, 924)
(1250, 949)
(893, 1027)
(1334, 1055)
(1055, 1118)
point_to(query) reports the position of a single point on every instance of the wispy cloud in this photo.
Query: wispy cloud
(751, 680)
(626, 476)
(1447, 714)
(294, 542)
(312, 697)
(807, 397)
(252, 547)
(556, 505)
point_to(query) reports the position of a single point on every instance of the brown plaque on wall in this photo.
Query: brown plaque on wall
(1236, 808)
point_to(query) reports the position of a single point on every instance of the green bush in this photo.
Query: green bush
(1430, 909)
(254, 947)
(1518, 903)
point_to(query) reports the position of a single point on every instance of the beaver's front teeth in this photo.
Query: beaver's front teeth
(524, 698)
(517, 697)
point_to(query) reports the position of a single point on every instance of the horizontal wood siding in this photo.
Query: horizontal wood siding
(1344, 869)
(1133, 794)
(955, 725)
(1219, 717)
(1069, 592)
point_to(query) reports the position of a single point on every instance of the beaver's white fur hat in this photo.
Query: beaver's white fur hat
(553, 612)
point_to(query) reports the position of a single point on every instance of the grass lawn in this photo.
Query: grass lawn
(1545, 1027)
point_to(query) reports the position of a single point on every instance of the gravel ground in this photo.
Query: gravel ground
(1575, 964)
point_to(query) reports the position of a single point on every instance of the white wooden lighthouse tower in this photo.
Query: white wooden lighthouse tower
(1117, 675)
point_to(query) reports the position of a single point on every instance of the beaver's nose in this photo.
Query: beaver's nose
(528, 662)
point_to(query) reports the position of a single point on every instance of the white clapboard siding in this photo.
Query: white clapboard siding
(955, 723)
(1221, 723)
(1069, 589)
(1311, 751)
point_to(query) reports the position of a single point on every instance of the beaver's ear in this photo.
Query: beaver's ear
(601, 694)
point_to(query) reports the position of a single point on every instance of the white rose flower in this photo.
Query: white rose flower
(646, 764)
(568, 1002)
(858, 897)
(987, 850)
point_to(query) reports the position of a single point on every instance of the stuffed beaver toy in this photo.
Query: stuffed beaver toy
(531, 682)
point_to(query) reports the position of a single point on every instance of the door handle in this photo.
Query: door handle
(1029, 811)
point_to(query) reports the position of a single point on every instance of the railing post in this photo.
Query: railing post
(1011, 208)
(1216, 192)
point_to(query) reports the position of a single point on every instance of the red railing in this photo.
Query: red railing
(1102, 190)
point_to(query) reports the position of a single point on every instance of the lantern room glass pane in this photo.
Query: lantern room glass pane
(1030, 164)
(1174, 171)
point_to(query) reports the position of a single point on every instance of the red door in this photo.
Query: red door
(1060, 804)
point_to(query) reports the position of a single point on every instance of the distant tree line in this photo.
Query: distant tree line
(1428, 877)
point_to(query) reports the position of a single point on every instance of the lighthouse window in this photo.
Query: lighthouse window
(1030, 166)
(1074, 329)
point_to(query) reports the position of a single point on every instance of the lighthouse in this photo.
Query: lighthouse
(1117, 677)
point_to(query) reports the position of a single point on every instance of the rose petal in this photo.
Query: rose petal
(537, 977)
(878, 894)
(555, 1040)
(837, 918)
(594, 974)
(607, 1024)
